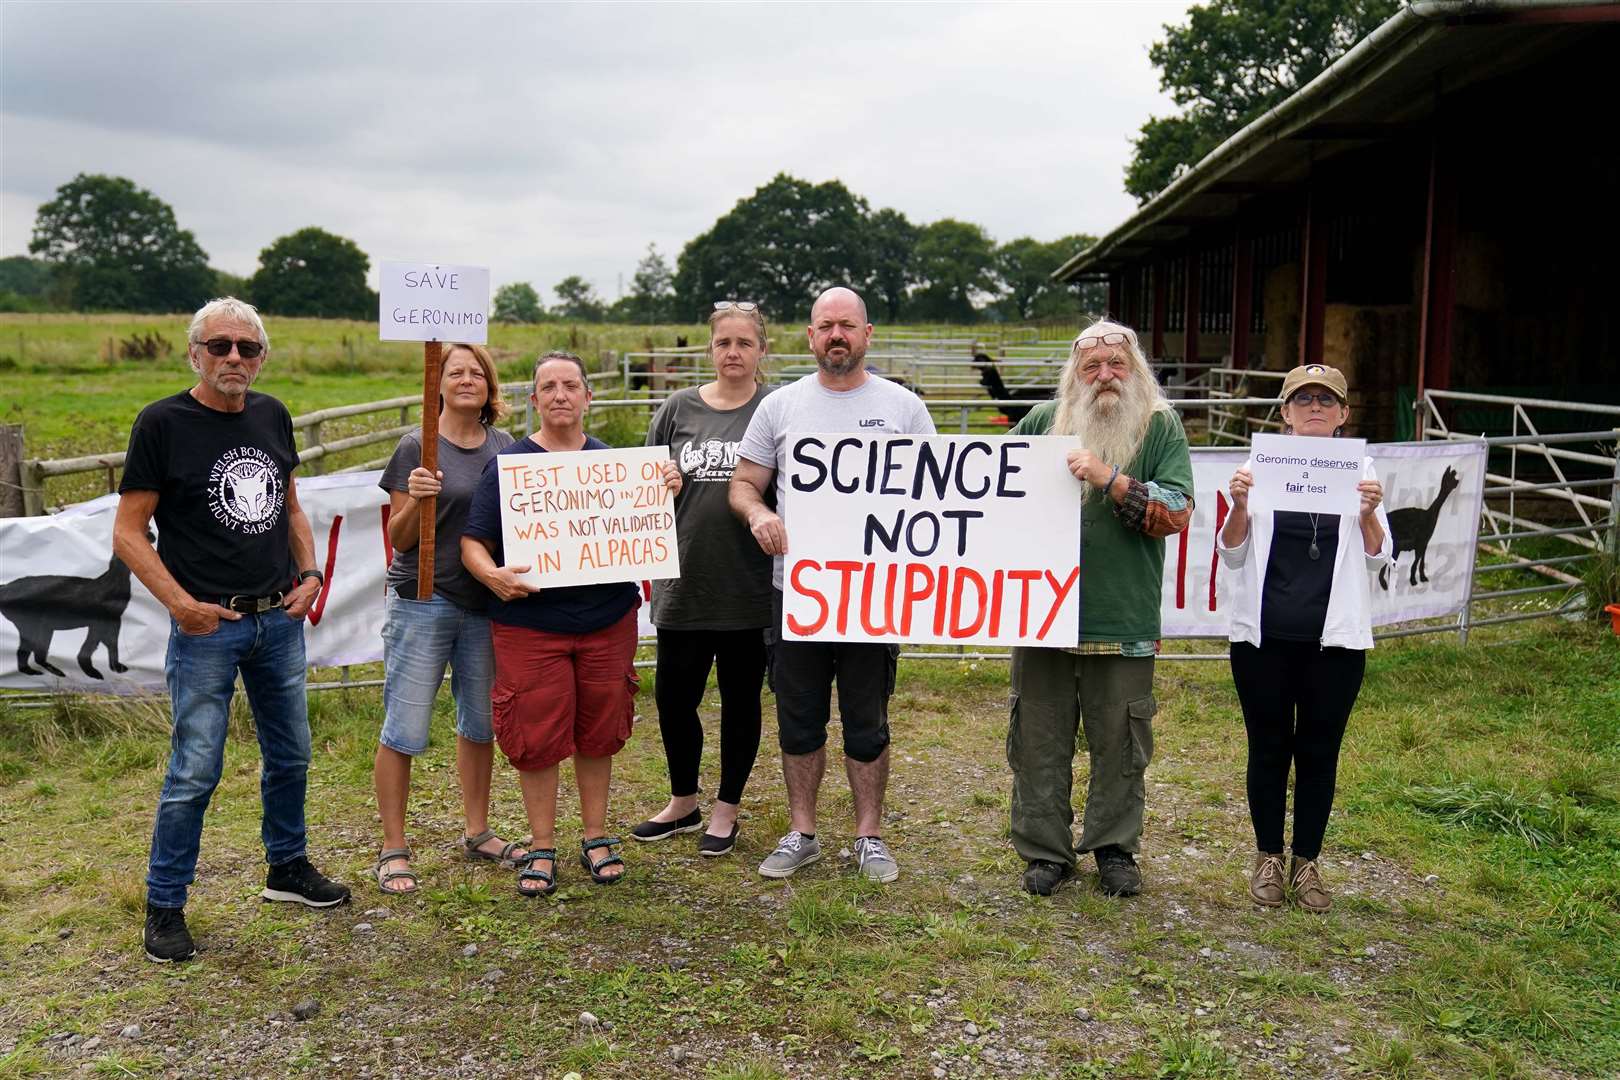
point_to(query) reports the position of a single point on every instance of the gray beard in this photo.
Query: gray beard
(1114, 426)
(839, 367)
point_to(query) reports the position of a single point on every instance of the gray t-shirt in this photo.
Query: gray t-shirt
(461, 469)
(725, 581)
(876, 407)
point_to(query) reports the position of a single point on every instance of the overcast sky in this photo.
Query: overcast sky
(543, 141)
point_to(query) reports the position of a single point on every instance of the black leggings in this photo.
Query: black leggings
(684, 659)
(1296, 699)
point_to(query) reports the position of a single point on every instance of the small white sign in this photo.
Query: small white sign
(434, 302)
(936, 539)
(588, 516)
(1305, 474)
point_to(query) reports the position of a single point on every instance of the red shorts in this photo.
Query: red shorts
(557, 695)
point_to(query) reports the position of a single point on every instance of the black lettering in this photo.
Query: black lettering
(911, 534)
(890, 540)
(929, 466)
(799, 483)
(961, 517)
(838, 448)
(891, 466)
(1007, 470)
(961, 462)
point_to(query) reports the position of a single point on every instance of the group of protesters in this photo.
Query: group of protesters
(548, 675)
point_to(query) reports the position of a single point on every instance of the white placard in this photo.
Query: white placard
(433, 302)
(588, 516)
(1309, 475)
(945, 539)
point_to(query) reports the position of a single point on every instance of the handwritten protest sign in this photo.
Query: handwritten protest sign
(588, 517)
(434, 302)
(1297, 472)
(947, 539)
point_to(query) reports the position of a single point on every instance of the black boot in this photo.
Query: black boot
(166, 937)
(1117, 871)
(1042, 877)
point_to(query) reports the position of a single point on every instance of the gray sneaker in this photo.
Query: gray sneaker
(792, 851)
(875, 862)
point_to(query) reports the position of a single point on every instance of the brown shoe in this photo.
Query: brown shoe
(1266, 880)
(1306, 882)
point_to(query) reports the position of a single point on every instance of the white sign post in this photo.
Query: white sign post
(432, 303)
(943, 539)
(1305, 474)
(586, 517)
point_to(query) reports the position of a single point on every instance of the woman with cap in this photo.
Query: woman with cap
(715, 613)
(1299, 594)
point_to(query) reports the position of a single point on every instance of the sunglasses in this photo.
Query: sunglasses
(1115, 338)
(1303, 398)
(247, 349)
(736, 305)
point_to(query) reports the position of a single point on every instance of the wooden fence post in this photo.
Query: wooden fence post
(11, 471)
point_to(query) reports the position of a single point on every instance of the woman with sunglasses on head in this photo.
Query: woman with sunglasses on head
(1300, 599)
(715, 613)
(422, 635)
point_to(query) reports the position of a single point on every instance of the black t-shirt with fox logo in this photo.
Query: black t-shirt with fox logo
(221, 480)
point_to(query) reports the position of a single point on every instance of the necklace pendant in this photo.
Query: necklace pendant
(1315, 552)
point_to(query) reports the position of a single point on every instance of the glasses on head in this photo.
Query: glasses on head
(1114, 338)
(246, 348)
(1303, 398)
(736, 305)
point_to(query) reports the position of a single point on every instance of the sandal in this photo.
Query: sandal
(595, 868)
(472, 849)
(527, 872)
(386, 856)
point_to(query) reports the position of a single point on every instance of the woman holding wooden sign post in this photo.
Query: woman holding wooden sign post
(716, 612)
(1301, 628)
(564, 655)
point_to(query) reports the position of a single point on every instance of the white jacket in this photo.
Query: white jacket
(1348, 624)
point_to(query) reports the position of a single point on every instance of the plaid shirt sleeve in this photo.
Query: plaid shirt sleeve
(1153, 510)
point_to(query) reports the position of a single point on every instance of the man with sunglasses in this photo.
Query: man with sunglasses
(235, 566)
(1131, 458)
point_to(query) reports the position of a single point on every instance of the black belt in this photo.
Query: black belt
(252, 605)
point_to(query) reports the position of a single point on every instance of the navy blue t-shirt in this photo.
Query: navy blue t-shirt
(574, 609)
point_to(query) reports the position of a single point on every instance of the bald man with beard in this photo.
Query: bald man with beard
(1132, 459)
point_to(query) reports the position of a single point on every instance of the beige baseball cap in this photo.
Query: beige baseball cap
(1315, 375)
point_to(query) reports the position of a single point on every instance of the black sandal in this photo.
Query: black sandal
(595, 869)
(527, 872)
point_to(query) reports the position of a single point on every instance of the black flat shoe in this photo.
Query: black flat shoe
(648, 831)
(716, 846)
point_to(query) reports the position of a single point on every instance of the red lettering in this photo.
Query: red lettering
(1215, 555)
(388, 545)
(806, 629)
(888, 600)
(1024, 577)
(995, 604)
(1181, 566)
(939, 603)
(1058, 593)
(919, 586)
(846, 570)
(331, 564)
(963, 576)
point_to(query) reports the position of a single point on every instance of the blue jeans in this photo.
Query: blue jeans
(268, 650)
(419, 638)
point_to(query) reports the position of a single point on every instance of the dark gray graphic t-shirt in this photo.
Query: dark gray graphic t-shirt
(725, 581)
(221, 480)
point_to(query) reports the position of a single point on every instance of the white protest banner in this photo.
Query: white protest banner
(945, 539)
(433, 302)
(588, 516)
(1314, 476)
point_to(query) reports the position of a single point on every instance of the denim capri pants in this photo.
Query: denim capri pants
(419, 638)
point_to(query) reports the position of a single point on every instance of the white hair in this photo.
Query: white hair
(232, 308)
(1114, 434)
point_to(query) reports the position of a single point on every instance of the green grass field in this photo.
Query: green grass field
(1475, 854)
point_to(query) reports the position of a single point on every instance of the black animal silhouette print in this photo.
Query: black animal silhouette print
(1411, 528)
(990, 379)
(41, 605)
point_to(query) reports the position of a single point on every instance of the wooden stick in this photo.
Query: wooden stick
(427, 509)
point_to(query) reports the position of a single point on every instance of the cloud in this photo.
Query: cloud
(546, 140)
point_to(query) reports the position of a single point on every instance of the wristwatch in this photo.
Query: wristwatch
(305, 575)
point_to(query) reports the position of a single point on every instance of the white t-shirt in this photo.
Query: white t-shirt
(877, 406)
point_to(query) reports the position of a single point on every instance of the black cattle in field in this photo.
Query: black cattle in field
(41, 605)
(1412, 527)
(990, 378)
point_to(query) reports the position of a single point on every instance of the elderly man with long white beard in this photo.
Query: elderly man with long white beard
(1131, 456)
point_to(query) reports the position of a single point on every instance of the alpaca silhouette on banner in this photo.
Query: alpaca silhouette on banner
(990, 378)
(1412, 527)
(40, 605)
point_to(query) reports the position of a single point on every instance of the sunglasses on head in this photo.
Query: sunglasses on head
(246, 348)
(1115, 338)
(1303, 398)
(737, 305)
